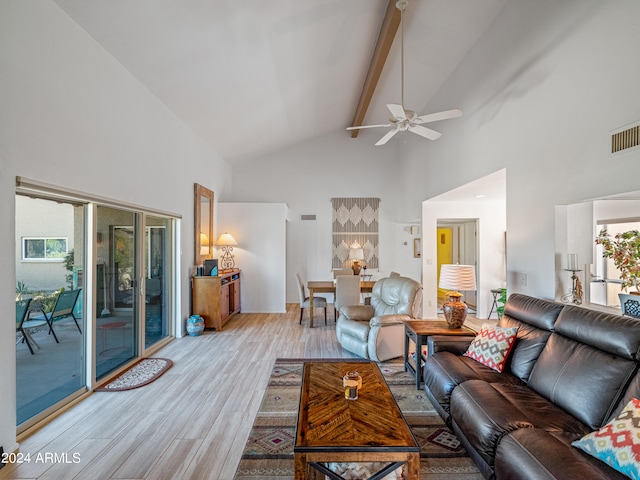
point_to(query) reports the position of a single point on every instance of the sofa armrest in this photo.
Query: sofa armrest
(390, 319)
(448, 343)
(358, 312)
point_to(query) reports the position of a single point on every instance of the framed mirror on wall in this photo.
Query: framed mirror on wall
(203, 224)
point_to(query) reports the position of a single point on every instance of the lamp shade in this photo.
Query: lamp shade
(204, 240)
(356, 253)
(226, 239)
(457, 277)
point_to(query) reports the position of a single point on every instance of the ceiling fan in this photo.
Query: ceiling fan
(402, 119)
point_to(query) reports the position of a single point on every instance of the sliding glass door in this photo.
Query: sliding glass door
(134, 275)
(50, 293)
(117, 299)
(94, 292)
(157, 279)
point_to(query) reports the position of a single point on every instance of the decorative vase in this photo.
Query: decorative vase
(195, 325)
(455, 311)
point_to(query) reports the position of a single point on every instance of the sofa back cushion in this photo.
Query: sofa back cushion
(534, 318)
(616, 334)
(587, 363)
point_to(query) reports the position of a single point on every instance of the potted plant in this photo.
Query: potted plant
(624, 249)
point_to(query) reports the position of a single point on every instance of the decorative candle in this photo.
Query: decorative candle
(572, 261)
(352, 382)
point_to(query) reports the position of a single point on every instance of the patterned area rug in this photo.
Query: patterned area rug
(268, 454)
(141, 373)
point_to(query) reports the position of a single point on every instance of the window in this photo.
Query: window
(44, 249)
(605, 287)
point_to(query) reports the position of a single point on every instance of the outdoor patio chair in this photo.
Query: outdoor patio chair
(23, 325)
(65, 304)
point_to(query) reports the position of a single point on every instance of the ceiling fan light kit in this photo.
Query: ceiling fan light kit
(402, 119)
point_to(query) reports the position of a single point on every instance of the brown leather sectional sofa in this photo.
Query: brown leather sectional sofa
(570, 372)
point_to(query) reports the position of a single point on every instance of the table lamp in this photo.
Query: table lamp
(227, 242)
(454, 278)
(356, 254)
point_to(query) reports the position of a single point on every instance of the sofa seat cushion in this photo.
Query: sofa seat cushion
(485, 412)
(445, 370)
(544, 455)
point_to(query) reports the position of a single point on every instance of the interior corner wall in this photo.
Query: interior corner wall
(75, 118)
(261, 232)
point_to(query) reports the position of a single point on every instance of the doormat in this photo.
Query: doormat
(141, 373)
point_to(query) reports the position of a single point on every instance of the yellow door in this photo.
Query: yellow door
(444, 244)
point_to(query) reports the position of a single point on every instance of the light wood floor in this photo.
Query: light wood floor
(193, 422)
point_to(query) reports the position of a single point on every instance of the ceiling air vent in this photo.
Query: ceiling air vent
(625, 139)
(307, 217)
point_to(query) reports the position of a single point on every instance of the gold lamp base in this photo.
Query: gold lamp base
(455, 311)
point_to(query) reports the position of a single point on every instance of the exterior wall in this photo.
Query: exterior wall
(41, 218)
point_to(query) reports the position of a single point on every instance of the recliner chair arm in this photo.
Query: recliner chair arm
(390, 319)
(357, 312)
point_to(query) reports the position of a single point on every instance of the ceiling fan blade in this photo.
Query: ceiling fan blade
(370, 126)
(387, 137)
(425, 132)
(434, 117)
(397, 111)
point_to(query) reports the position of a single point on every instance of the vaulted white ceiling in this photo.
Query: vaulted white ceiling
(255, 76)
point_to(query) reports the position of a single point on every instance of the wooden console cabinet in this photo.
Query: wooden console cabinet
(216, 299)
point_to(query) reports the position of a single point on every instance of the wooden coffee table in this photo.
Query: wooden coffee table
(418, 331)
(333, 429)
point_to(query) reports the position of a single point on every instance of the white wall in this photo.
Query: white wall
(73, 117)
(306, 177)
(540, 92)
(260, 230)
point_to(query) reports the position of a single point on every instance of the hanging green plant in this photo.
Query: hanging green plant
(624, 250)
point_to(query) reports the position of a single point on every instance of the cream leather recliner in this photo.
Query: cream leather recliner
(376, 331)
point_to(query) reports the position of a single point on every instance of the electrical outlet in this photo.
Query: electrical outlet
(523, 279)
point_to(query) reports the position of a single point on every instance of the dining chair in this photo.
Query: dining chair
(318, 302)
(347, 292)
(341, 271)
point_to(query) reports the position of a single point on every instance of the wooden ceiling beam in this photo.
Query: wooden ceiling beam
(388, 30)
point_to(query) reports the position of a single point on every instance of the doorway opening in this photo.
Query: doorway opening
(456, 243)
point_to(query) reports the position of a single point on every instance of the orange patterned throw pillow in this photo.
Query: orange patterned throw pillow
(492, 345)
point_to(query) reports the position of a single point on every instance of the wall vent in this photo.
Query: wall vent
(307, 217)
(625, 139)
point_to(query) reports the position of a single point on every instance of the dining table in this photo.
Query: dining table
(329, 286)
